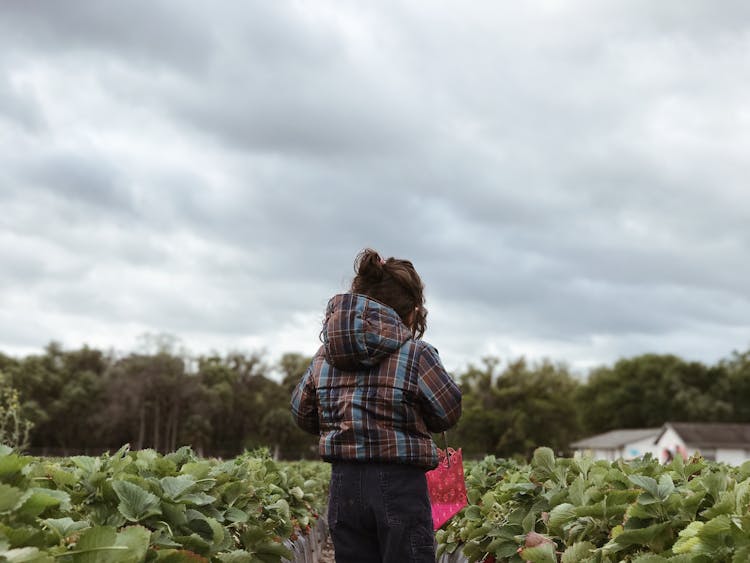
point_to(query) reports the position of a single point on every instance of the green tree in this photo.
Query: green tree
(238, 395)
(481, 422)
(736, 389)
(147, 398)
(513, 411)
(14, 428)
(293, 366)
(649, 390)
(296, 443)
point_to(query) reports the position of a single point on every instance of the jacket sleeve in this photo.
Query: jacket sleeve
(304, 403)
(440, 397)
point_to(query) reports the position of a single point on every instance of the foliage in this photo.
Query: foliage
(135, 506)
(85, 401)
(578, 510)
(651, 389)
(14, 427)
(513, 411)
(88, 401)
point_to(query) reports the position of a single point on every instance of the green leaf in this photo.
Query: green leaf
(162, 538)
(743, 472)
(97, 545)
(174, 514)
(210, 530)
(597, 510)
(678, 464)
(61, 477)
(101, 514)
(234, 514)
(473, 512)
(577, 552)
(272, 548)
(646, 483)
(23, 535)
(282, 506)
(173, 487)
(197, 499)
(252, 536)
(648, 536)
(724, 505)
(543, 463)
(577, 491)
(9, 497)
(194, 543)
(87, 463)
(714, 483)
(179, 556)
(583, 463)
(559, 516)
(11, 466)
(198, 469)
(26, 555)
(687, 559)
(529, 522)
(136, 539)
(237, 556)
(135, 502)
(742, 495)
(121, 453)
(217, 531)
(687, 545)
(650, 557)
(665, 487)
(232, 491)
(37, 501)
(713, 535)
(64, 527)
(544, 553)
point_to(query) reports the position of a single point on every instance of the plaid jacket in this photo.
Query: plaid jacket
(372, 392)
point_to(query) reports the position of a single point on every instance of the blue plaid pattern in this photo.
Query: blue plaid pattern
(372, 392)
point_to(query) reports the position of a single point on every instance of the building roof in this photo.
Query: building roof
(616, 439)
(711, 435)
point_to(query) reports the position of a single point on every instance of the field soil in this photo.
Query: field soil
(328, 556)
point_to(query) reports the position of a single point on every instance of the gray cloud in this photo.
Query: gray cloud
(569, 179)
(168, 33)
(89, 180)
(18, 107)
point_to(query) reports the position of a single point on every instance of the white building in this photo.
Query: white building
(725, 442)
(615, 444)
(729, 443)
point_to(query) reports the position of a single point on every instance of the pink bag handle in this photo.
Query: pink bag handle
(446, 450)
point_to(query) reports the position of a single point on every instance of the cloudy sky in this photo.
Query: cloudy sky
(570, 177)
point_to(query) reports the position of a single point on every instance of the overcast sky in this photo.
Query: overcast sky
(570, 178)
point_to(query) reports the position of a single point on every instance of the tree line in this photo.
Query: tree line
(88, 401)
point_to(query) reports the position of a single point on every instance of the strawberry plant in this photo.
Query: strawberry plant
(130, 507)
(580, 510)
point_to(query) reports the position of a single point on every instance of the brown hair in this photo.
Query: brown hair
(393, 282)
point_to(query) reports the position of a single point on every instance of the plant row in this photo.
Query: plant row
(140, 506)
(583, 511)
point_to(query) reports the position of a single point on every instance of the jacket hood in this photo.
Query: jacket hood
(360, 332)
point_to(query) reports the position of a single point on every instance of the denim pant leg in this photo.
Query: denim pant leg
(380, 513)
(353, 530)
(404, 515)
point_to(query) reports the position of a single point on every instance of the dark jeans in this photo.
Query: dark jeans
(380, 513)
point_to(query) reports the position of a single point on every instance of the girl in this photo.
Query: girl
(373, 393)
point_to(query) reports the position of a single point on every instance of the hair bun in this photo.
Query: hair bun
(395, 283)
(369, 264)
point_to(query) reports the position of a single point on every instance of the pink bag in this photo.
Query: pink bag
(446, 486)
